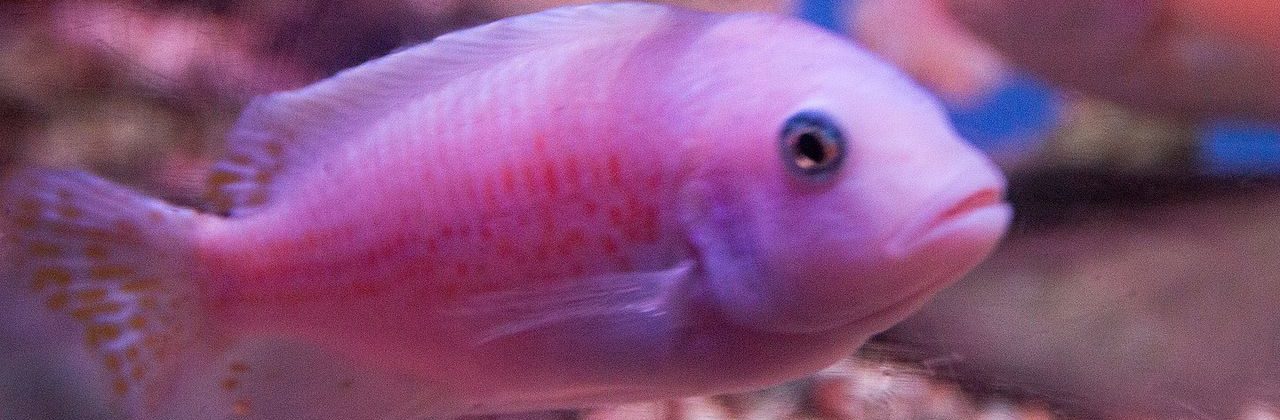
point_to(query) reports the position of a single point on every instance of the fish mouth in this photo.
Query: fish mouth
(954, 235)
(983, 208)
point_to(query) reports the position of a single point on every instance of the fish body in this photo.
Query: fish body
(586, 205)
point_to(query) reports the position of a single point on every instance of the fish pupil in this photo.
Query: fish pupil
(810, 151)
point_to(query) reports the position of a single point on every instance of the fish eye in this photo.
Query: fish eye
(812, 146)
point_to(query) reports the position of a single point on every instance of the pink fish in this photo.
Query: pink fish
(592, 204)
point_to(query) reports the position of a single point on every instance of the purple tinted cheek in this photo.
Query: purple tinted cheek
(722, 229)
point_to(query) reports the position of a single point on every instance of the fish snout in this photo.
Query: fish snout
(970, 212)
(953, 231)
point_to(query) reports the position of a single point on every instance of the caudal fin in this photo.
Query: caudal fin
(116, 262)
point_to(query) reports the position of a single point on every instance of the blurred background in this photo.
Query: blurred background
(1142, 141)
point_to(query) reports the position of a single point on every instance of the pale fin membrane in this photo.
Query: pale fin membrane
(506, 313)
(117, 263)
(277, 134)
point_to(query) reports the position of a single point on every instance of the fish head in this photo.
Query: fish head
(821, 189)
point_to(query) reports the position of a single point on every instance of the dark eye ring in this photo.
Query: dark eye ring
(812, 145)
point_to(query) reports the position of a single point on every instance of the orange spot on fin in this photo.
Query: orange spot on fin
(241, 181)
(86, 313)
(58, 301)
(45, 250)
(137, 322)
(240, 408)
(98, 334)
(110, 272)
(112, 363)
(26, 214)
(220, 179)
(45, 277)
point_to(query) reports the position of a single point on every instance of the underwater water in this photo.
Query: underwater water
(1138, 279)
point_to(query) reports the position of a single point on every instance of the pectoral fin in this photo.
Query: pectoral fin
(514, 311)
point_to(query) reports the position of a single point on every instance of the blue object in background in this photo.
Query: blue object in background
(1017, 116)
(825, 13)
(1240, 148)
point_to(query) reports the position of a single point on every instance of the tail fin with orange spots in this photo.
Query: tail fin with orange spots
(116, 262)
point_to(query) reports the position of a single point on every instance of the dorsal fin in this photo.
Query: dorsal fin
(278, 131)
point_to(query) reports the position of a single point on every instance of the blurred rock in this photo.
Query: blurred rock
(1101, 136)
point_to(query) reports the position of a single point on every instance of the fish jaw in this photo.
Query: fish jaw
(941, 249)
(864, 279)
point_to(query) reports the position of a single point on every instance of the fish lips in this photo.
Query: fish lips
(976, 214)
